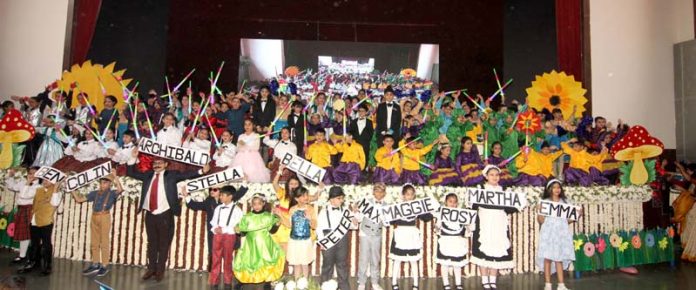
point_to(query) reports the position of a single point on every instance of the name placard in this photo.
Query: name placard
(369, 210)
(408, 209)
(497, 198)
(85, 177)
(214, 179)
(175, 153)
(335, 236)
(51, 174)
(458, 215)
(557, 209)
(303, 167)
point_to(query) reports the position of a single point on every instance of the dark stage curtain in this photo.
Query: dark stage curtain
(569, 36)
(85, 17)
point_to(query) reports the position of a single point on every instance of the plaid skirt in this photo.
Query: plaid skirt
(22, 222)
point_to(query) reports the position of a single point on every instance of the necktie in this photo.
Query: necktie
(153, 193)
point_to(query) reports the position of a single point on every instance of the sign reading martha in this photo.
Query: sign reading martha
(497, 198)
(336, 234)
(557, 209)
(458, 215)
(51, 174)
(408, 209)
(214, 179)
(303, 167)
(369, 210)
(85, 177)
(175, 153)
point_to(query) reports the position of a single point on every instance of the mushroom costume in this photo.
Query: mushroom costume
(13, 129)
(636, 146)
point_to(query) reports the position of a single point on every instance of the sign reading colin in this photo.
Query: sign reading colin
(557, 209)
(408, 209)
(85, 177)
(497, 198)
(175, 153)
(303, 167)
(458, 215)
(51, 174)
(214, 179)
(335, 236)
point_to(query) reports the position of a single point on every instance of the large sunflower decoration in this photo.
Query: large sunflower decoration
(96, 80)
(557, 90)
(408, 73)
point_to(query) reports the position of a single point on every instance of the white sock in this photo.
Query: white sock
(484, 280)
(396, 271)
(458, 276)
(291, 269)
(445, 275)
(23, 247)
(492, 279)
(414, 273)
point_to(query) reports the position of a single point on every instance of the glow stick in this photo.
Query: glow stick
(189, 98)
(311, 101)
(485, 145)
(452, 92)
(500, 90)
(70, 141)
(404, 146)
(419, 162)
(305, 128)
(282, 112)
(475, 103)
(497, 80)
(242, 87)
(345, 117)
(360, 102)
(201, 110)
(216, 78)
(184, 80)
(96, 136)
(217, 142)
(149, 124)
(109, 123)
(101, 85)
(91, 110)
(132, 92)
(270, 133)
(506, 161)
(169, 92)
(134, 114)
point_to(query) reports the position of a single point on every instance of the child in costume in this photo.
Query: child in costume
(535, 167)
(555, 239)
(444, 172)
(491, 247)
(336, 257)
(259, 259)
(87, 150)
(468, 163)
(224, 155)
(388, 166)
(225, 218)
(412, 154)
(452, 246)
(352, 161)
(280, 148)
(201, 142)
(303, 219)
(109, 143)
(370, 235)
(46, 199)
(578, 172)
(51, 149)
(100, 222)
(497, 159)
(320, 153)
(26, 189)
(596, 165)
(248, 156)
(407, 242)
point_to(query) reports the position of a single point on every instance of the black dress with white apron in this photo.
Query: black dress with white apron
(407, 240)
(491, 246)
(452, 245)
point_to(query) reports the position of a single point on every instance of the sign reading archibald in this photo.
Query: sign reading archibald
(336, 234)
(214, 179)
(51, 174)
(303, 167)
(557, 209)
(497, 198)
(408, 209)
(175, 153)
(85, 177)
(458, 215)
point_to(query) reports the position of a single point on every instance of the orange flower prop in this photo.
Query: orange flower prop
(557, 90)
(292, 71)
(529, 122)
(408, 72)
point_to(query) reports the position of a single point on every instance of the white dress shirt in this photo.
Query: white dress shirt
(198, 145)
(162, 203)
(361, 125)
(361, 218)
(25, 193)
(329, 218)
(228, 151)
(169, 135)
(88, 151)
(280, 147)
(226, 216)
(389, 113)
(105, 148)
(124, 155)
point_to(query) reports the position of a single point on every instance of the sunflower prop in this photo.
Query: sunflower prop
(408, 73)
(529, 122)
(292, 71)
(556, 90)
(96, 80)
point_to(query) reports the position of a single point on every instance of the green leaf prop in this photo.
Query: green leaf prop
(626, 172)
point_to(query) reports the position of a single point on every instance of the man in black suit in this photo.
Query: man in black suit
(388, 117)
(159, 197)
(362, 130)
(296, 124)
(264, 110)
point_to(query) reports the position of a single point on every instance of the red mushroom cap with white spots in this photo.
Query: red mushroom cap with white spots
(14, 129)
(637, 141)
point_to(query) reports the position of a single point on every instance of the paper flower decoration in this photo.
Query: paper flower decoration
(663, 243)
(3, 223)
(589, 249)
(10, 230)
(649, 240)
(408, 72)
(292, 71)
(623, 246)
(615, 240)
(635, 146)
(291, 285)
(13, 129)
(302, 283)
(279, 286)
(601, 245)
(635, 241)
(557, 90)
(578, 243)
(670, 232)
(96, 80)
(329, 285)
(528, 122)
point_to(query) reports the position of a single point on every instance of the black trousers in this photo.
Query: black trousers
(41, 248)
(336, 256)
(160, 232)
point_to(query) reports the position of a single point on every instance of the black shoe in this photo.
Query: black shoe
(92, 269)
(102, 271)
(27, 268)
(18, 260)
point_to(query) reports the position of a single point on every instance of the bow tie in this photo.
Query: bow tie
(390, 105)
(284, 142)
(224, 207)
(335, 208)
(361, 119)
(165, 129)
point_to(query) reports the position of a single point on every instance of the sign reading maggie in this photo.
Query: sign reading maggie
(368, 209)
(497, 198)
(51, 174)
(176, 153)
(408, 209)
(458, 215)
(336, 234)
(211, 180)
(557, 209)
(85, 177)
(303, 167)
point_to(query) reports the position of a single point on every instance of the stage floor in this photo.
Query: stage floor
(66, 275)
